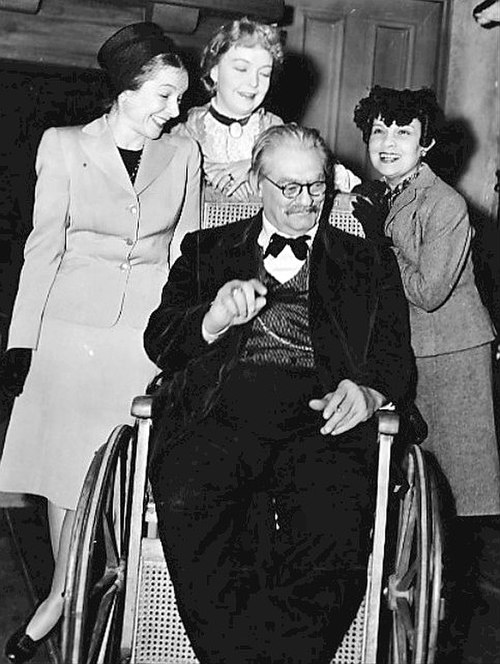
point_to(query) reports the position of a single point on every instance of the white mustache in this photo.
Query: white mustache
(302, 210)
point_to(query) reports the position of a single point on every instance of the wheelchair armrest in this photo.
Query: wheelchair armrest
(388, 422)
(142, 406)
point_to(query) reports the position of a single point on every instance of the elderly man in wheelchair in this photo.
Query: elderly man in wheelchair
(278, 338)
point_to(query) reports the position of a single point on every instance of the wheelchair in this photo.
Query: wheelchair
(119, 605)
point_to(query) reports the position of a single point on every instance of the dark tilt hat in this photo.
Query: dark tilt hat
(124, 54)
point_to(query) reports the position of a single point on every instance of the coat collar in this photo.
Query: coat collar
(425, 179)
(98, 143)
(342, 294)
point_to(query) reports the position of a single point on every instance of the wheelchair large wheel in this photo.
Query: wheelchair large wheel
(414, 587)
(93, 603)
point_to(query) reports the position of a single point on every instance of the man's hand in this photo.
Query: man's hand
(236, 303)
(345, 408)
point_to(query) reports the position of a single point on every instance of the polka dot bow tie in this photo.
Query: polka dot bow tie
(298, 245)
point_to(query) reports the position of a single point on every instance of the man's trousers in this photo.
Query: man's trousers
(265, 522)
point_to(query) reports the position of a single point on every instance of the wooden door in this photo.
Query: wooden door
(348, 46)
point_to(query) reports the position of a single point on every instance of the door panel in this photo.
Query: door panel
(354, 44)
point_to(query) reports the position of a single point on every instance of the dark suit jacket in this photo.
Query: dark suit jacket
(357, 312)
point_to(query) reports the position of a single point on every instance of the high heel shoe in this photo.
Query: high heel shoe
(20, 647)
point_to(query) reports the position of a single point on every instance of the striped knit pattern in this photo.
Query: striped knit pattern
(280, 333)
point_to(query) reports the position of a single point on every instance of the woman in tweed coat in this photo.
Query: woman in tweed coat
(112, 198)
(429, 228)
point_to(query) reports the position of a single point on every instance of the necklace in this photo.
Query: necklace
(132, 161)
(135, 168)
(392, 194)
(235, 124)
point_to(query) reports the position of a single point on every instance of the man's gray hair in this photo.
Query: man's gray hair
(281, 135)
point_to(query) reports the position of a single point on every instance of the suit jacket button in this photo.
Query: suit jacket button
(129, 241)
(133, 209)
(125, 266)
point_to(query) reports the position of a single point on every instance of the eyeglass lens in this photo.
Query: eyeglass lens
(294, 189)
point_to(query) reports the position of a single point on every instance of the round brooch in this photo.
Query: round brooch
(235, 130)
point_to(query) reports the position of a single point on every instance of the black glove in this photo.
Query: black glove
(371, 209)
(413, 428)
(14, 366)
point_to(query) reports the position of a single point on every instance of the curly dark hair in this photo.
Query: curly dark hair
(242, 32)
(401, 107)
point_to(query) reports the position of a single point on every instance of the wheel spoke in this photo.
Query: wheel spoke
(406, 581)
(436, 559)
(407, 543)
(409, 586)
(109, 578)
(119, 498)
(405, 618)
(110, 544)
(103, 616)
(94, 597)
(399, 642)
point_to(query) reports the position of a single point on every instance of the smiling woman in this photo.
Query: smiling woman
(112, 199)
(148, 83)
(428, 225)
(143, 113)
(237, 66)
(396, 151)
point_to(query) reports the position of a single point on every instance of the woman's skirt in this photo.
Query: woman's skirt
(80, 386)
(454, 395)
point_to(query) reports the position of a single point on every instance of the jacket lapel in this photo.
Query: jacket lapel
(155, 158)
(342, 297)
(405, 198)
(424, 180)
(247, 253)
(244, 256)
(99, 146)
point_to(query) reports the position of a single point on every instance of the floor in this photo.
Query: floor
(473, 637)
(23, 545)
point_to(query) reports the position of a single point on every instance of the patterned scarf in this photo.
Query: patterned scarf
(392, 194)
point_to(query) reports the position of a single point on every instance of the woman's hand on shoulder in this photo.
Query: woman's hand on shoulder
(370, 208)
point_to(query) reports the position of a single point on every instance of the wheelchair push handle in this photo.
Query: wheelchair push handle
(142, 406)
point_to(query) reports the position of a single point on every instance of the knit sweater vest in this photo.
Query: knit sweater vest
(280, 333)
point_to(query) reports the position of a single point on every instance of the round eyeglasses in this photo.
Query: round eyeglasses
(294, 189)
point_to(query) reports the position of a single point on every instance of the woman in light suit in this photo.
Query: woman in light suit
(113, 199)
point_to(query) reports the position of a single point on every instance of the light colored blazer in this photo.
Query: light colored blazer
(431, 233)
(99, 249)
